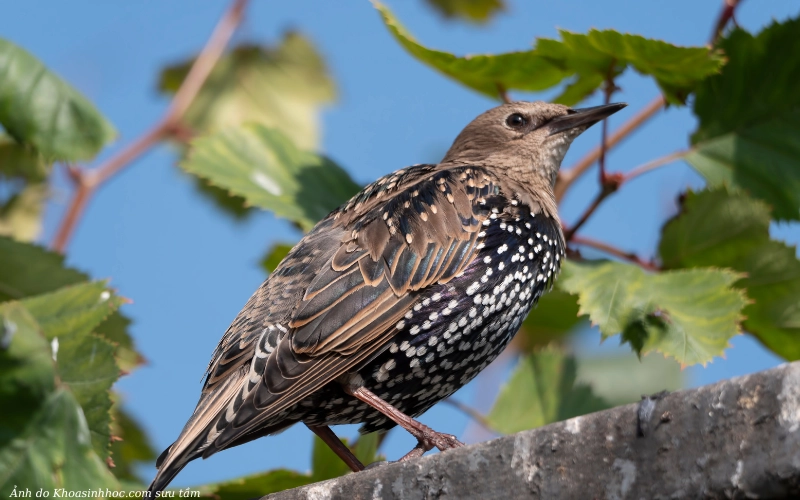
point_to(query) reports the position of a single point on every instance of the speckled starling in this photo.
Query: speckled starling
(397, 298)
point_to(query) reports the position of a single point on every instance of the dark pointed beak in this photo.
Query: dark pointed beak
(583, 117)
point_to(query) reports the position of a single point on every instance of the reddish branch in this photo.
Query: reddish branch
(88, 181)
(725, 16)
(568, 177)
(610, 183)
(616, 252)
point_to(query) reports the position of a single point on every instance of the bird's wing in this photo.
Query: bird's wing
(348, 283)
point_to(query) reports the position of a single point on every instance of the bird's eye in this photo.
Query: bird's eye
(516, 121)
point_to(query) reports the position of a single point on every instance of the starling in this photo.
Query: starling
(397, 298)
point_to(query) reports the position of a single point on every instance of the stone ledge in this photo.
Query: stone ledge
(739, 438)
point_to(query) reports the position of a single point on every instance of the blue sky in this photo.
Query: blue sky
(189, 268)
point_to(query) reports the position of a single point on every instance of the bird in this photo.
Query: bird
(397, 298)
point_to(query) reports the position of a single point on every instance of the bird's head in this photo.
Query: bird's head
(525, 138)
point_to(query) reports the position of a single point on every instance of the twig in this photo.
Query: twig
(566, 178)
(608, 91)
(611, 250)
(87, 182)
(472, 413)
(727, 14)
(609, 185)
(653, 164)
(501, 90)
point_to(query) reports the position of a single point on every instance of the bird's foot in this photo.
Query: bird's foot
(431, 439)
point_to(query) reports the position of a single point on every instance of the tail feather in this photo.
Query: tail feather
(198, 433)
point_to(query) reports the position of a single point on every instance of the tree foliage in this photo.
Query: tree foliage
(254, 127)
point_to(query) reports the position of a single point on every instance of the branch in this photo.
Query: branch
(87, 182)
(653, 165)
(503, 93)
(734, 439)
(568, 177)
(616, 252)
(610, 185)
(727, 14)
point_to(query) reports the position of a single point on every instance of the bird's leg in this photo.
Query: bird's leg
(326, 434)
(427, 438)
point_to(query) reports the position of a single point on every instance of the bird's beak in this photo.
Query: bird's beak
(583, 117)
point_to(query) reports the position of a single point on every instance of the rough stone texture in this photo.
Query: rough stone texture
(735, 439)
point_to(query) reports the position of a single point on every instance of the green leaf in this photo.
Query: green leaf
(689, 315)
(257, 485)
(131, 445)
(366, 448)
(21, 213)
(275, 255)
(750, 119)
(598, 55)
(281, 87)
(719, 228)
(266, 168)
(27, 374)
(325, 464)
(73, 310)
(588, 58)
(525, 70)
(622, 379)
(541, 390)
(229, 204)
(84, 362)
(476, 11)
(20, 161)
(40, 109)
(555, 316)
(54, 451)
(44, 438)
(29, 270)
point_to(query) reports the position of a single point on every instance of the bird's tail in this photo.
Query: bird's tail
(166, 472)
(198, 434)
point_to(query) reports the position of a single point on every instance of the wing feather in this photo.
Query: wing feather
(334, 301)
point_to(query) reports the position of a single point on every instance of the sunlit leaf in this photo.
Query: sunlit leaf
(32, 270)
(131, 445)
(21, 214)
(256, 485)
(622, 379)
(274, 256)
(596, 55)
(588, 59)
(750, 119)
(541, 390)
(477, 11)
(84, 362)
(21, 161)
(38, 108)
(263, 166)
(718, 228)
(281, 87)
(688, 315)
(325, 464)
(555, 316)
(523, 70)
(45, 441)
(366, 446)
